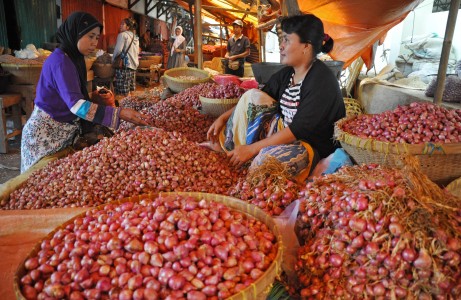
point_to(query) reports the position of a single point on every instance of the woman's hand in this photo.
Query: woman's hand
(178, 50)
(132, 116)
(241, 154)
(215, 128)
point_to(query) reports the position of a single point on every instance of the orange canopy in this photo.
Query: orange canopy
(355, 25)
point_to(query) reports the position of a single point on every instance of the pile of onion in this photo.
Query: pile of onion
(175, 116)
(374, 232)
(172, 247)
(130, 163)
(415, 123)
(138, 103)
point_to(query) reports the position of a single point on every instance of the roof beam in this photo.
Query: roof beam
(209, 7)
(132, 3)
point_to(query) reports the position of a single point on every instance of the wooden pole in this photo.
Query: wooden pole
(446, 48)
(261, 41)
(198, 33)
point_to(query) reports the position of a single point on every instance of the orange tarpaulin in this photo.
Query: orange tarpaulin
(356, 25)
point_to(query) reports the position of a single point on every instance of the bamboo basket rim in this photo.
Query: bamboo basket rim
(200, 80)
(426, 148)
(237, 204)
(218, 100)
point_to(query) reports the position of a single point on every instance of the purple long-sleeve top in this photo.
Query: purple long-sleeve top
(58, 94)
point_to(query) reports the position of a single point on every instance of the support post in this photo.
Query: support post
(450, 29)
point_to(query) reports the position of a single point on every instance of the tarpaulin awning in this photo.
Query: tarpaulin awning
(356, 25)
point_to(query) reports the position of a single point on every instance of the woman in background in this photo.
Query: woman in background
(62, 99)
(127, 42)
(178, 50)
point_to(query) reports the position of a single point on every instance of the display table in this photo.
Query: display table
(28, 92)
(20, 230)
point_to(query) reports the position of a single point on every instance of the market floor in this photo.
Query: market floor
(10, 163)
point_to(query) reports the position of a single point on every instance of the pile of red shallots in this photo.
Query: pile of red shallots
(268, 186)
(130, 163)
(416, 123)
(172, 247)
(191, 95)
(175, 116)
(371, 232)
(139, 102)
(226, 91)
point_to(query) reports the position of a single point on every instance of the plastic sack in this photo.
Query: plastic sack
(332, 163)
(286, 223)
(226, 78)
(249, 84)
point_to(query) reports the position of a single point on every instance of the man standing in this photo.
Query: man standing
(238, 47)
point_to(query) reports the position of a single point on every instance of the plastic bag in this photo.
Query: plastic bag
(286, 224)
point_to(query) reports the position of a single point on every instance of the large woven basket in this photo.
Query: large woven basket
(103, 70)
(455, 187)
(23, 74)
(258, 290)
(216, 107)
(440, 162)
(178, 85)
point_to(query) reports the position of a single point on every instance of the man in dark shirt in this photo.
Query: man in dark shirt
(238, 47)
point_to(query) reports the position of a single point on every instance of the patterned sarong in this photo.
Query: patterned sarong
(255, 117)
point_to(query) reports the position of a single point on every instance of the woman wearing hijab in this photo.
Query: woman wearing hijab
(127, 42)
(178, 50)
(62, 98)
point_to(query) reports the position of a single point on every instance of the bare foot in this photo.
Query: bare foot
(212, 146)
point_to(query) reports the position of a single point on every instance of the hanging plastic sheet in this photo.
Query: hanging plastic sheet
(356, 25)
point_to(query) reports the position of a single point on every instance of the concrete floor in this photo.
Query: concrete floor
(10, 163)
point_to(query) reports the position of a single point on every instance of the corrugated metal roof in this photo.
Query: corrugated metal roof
(37, 21)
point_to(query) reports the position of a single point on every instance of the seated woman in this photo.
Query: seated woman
(292, 118)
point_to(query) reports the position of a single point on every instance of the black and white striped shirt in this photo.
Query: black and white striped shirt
(290, 101)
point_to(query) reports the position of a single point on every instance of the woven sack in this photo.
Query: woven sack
(452, 90)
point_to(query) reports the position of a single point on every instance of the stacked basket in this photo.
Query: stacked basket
(178, 85)
(441, 162)
(259, 289)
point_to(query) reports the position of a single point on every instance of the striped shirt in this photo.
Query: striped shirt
(290, 101)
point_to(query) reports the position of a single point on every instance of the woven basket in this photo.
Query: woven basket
(440, 162)
(179, 85)
(147, 61)
(216, 107)
(258, 290)
(23, 74)
(103, 70)
(455, 187)
(353, 107)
